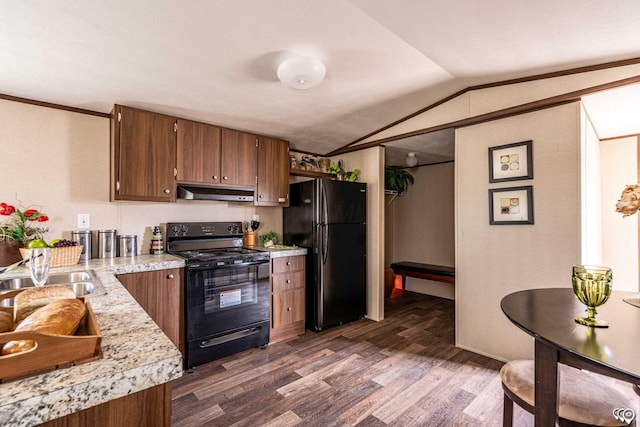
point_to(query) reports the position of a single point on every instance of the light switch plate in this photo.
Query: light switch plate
(84, 221)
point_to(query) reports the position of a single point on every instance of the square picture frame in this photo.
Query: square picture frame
(511, 162)
(511, 206)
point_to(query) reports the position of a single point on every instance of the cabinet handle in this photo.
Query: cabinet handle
(225, 177)
(261, 196)
(215, 176)
(288, 281)
(167, 191)
(169, 276)
(288, 308)
(288, 262)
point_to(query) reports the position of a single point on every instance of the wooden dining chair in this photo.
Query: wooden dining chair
(585, 398)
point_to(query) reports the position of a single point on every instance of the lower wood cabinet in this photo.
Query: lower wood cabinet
(287, 297)
(146, 408)
(160, 294)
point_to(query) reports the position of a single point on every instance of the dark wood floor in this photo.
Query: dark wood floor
(402, 371)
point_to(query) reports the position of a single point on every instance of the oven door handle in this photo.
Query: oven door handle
(229, 337)
(219, 267)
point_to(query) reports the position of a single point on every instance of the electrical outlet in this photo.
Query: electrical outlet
(83, 221)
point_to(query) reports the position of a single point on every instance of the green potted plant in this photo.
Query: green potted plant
(397, 178)
(269, 239)
(352, 176)
(334, 169)
(308, 163)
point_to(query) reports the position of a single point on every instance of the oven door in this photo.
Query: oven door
(226, 298)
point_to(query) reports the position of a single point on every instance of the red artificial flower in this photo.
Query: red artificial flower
(19, 226)
(6, 209)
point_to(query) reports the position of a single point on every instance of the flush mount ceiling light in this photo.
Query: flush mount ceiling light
(301, 72)
(411, 159)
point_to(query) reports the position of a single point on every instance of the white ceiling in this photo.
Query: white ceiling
(216, 61)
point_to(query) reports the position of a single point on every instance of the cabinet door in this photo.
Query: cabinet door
(239, 159)
(158, 293)
(288, 308)
(144, 156)
(273, 173)
(198, 152)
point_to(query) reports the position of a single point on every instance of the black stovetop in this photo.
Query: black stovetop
(215, 254)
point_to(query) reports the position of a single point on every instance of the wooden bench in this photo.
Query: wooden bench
(418, 270)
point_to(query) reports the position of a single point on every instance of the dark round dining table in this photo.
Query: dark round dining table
(548, 316)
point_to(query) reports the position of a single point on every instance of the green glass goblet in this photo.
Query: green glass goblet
(592, 287)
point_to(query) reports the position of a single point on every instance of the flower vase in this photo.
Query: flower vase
(9, 253)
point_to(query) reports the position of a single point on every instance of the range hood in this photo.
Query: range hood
(194, 192)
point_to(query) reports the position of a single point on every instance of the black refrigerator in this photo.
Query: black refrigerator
(329, 219)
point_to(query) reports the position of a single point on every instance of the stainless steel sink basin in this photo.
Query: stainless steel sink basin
(83, 282)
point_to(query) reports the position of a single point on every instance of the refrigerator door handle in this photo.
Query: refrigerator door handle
(325, 209)
(323, 223)
(324, 243)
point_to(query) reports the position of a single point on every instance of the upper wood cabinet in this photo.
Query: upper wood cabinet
(152, 152)
(273, 173)
(143, 152)
(239, 159)
(198, 153)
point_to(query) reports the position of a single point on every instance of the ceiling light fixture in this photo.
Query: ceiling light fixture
(411, 159)
(301, 72)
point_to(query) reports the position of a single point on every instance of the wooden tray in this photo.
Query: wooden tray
(51, 351)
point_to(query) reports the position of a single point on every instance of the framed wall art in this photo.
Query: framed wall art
(511, 162)
(512, 205)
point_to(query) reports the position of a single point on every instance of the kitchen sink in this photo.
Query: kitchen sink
(83, 283)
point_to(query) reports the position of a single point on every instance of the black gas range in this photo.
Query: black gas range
(227, 295)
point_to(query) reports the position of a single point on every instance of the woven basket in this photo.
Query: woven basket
(60, 257)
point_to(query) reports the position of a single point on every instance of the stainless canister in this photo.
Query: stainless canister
(127, 245)
(83, 237)
(106, 243)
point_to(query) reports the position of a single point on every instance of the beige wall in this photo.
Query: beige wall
(423, 225)
(591, 193)
(371, 165)
(620, 239)
(481, 101)
(60, 161)
(493, 261)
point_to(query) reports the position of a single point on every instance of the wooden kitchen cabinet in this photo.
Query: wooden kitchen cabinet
(273, 173)
(160, 294)
(287, 297)
(239, 157)
(198, 152)
(149, 407)
(143, 152)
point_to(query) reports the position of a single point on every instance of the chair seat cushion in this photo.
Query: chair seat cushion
(584, 397)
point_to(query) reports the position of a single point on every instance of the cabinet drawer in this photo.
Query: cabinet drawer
(288, 263)
(287, 281)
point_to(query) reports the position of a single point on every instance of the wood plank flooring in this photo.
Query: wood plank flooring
(403, 371)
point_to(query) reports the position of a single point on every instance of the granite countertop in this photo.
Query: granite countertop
(279, 251)
(136, 354)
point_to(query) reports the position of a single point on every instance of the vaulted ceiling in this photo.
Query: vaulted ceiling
(216, 61)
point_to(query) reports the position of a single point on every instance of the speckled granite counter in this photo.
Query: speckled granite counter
(137, 354)
(282, 251)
